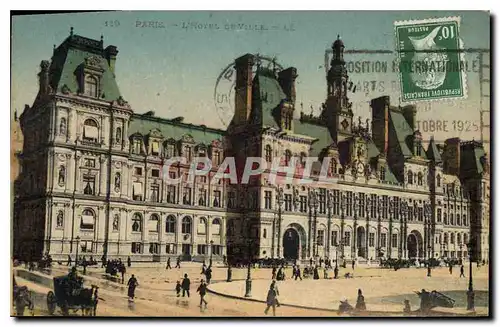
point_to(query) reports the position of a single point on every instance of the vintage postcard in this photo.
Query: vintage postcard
(251, 164)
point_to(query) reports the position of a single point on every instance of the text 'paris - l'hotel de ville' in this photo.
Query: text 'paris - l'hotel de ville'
(92, 168)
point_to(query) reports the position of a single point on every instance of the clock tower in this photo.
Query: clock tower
(337, 111)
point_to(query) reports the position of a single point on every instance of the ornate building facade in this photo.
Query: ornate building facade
(93, 174)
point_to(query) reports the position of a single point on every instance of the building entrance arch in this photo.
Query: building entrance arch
(294, 242)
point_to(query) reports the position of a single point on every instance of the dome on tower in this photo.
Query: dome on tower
(338, 43)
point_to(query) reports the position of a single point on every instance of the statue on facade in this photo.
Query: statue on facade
(60, 219)
(117, 181)
(62, 126)
(115, 222)
(62, 174)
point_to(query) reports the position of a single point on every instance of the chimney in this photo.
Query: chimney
(243, 94)
(110, 53)
(451, 156)
(286, 78)
(380, 123)
(43, 76)
(410, 114)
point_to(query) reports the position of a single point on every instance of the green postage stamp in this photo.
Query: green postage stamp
(431, 59)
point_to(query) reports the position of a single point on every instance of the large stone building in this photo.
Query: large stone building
(94, 169)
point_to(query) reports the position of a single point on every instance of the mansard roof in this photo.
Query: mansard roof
(71, 55)
(173, 128)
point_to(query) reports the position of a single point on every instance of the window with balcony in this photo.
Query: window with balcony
(88, 184)
(90, 131)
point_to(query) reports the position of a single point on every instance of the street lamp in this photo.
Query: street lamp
(248, 284)
(391, 211)
(470, 291)
(405, 226)
(211, 251)
(367, 230)
(355, 208)
(77, 246)
(342, 217)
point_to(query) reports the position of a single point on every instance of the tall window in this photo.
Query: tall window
(170, 150)
(361, 205)
(186, 225)
(410, 177)
(267, 199)
(137, 222)
(186, 198)
(170, 226)
(137, 146)
(303, 203)
(217, 199)
(383, 240)
(155, 148)
(231, 200)
(216, 226)
(438, 181)
(186, 152)
(322, 200)
(202, 199)
(347, 238)
(89, 184)
(136, 247)
(288, 157)
(349, 203)
(216, 158)
(170, 193)
(420, 179)
(321, 237)
(91, 86)
(439, 215)
(394, 240)
(90, 131)
(202, 226)
(336, 202)
(268, 153)
(385, 205)
(155, 193)
(153, 224)
(371, 239)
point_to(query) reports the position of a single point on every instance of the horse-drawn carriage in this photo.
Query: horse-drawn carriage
(69, 294)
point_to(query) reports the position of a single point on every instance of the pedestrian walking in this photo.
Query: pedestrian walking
(168, 264)
(428, 271)
(208, 274)
(186, 283)
(202, 289)
(132, 284)
(178, 264)
(178, 288)
(336, 272)
(129, 262)
(272, 299)
(353, 264)
(103, 261)
(462, 271)
(451, 269)
(69, 260)
(311, 261)
(203, 268)
(274, 273)
(360, 301)
(297, 273)
(122, 271)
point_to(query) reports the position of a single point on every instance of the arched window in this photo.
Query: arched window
(288, 157)
(452, 219)
(445, 238)
(440, 239)
(269, 153)
(216, 226)
(137, 222)
(90, 130)
(445, 219)
(420, 179)
(170, 226)
(91, 86)
(186, 225)
(202, 226)
(464, 220)
(153, 223)
(410, 177)
(465, 239)
(452, 238)
(459, 239)
(438, 181)
(88, 218)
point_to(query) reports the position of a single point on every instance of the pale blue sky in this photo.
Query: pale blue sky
(173, 71)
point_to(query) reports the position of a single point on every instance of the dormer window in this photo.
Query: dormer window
(170, 150)
(136, 146)
(155, 148)
(186, 152)
(91, 86)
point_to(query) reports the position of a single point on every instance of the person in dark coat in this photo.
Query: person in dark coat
(353, 264)
(202, 289)
(462, 271)
(451, 269)
(336, 272)
(129, 262)
(208, 274)
(297, 273)
(316, 273)
(168, 264)
(186, 283)
(320, 261)
(360, 301)
(311, 261)
(429, 271)
(132, 284)
(274, 273)
(69, 260)
(122, 271)
(203, 268)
